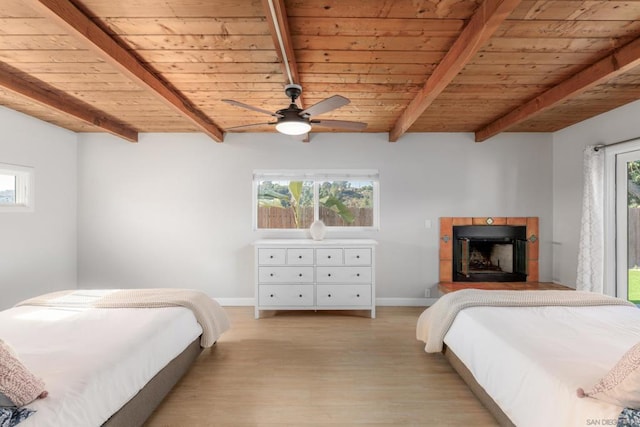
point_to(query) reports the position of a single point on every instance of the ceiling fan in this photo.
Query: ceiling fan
(293, 120)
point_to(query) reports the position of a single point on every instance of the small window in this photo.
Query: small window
(294, 199)
(16, 188)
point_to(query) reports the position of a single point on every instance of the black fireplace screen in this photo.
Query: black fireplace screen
(496, 253)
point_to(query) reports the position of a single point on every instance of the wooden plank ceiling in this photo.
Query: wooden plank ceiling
(481, 66)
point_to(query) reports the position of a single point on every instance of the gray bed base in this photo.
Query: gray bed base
(476, 388)
(135, 412)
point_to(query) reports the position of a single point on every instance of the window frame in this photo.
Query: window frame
(318, 176)
(25, 191)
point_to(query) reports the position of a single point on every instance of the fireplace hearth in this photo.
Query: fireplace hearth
(488, 249)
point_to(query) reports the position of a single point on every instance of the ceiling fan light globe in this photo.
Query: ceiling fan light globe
(293, 127)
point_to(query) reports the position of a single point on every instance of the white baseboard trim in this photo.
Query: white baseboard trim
(236, 302)
(405, 302)
(382, 302)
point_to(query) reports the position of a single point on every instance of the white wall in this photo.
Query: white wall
(568, 146)
(175, 209)
(38, 249)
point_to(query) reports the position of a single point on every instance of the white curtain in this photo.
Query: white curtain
(591, 251)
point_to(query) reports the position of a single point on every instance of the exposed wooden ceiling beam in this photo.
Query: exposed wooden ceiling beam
(65, 104)
(78, 24)
(620, 61)
(481, 26)
(279, 28)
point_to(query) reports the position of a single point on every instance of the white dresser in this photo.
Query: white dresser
(303, 274)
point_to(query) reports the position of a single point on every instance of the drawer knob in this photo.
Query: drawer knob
(358, 256)
(358, 295)
(329, 295)
(271, 274)
(329, 256)
(271, 296)
(300, 275)
(329, 275)
(300, 295)
(299, 256)
(358, 274)
(271, 256)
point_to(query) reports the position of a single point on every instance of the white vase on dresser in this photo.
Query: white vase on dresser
(304, 274)
(317, 230)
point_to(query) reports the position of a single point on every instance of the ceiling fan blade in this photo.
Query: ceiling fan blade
(249, 107)
(340, 124)
(326, 105)
(250, 126)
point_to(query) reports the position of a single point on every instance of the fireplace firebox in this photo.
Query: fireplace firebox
(495, 253)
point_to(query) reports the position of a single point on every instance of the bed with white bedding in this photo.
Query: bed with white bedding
(530, 360)
(94, 360)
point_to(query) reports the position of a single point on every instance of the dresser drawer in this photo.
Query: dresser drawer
(285, 274)
(285, 295)
(300, 256)
(357, 256)
(329, 256)
(343, 295)
(271, 256)
(343, 275)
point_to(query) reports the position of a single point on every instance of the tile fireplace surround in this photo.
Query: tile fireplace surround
(446, 243)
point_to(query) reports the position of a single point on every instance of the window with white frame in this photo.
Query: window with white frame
(295, 199)
(16, 188)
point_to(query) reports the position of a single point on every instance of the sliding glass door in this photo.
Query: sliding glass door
(628, 225)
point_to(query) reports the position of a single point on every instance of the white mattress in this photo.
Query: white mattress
(93, 360)
(531, 360)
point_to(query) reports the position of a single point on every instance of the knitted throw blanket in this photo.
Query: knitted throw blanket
(211, 317)
(18, 385)
(435, 321)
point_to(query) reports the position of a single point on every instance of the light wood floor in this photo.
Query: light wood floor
(321, 368)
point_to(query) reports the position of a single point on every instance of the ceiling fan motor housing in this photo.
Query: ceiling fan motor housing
(290, 122)
(291, 114)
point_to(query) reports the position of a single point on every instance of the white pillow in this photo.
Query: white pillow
(621, 385)
(17, 383)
